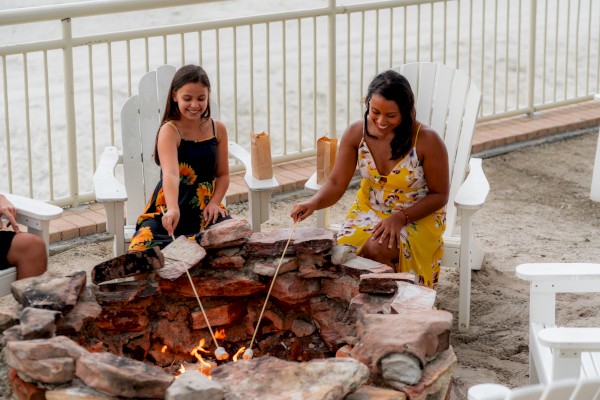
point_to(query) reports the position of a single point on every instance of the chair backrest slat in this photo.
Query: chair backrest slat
(448, 101)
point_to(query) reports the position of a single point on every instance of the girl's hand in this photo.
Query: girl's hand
(170, 219)
(301, 211)
(212, 212)
(389, 230)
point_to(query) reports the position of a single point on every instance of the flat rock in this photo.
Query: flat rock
(128, 264)
(271, 378)
(51, 290)
(421, 333)
(358, 266)
(384, 283)
(121, 376)
(227, 233)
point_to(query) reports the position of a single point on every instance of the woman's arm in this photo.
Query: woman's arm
(168, 142)
(337, 183)
(213, 210)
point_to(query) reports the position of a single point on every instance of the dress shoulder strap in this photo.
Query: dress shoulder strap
(174, 126)
(417, 134)
(214, 126)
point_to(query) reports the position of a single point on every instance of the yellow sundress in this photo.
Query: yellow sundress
(421, 243)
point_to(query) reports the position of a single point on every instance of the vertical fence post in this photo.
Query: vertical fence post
(70, 111)
(531, 61)
(331, 86)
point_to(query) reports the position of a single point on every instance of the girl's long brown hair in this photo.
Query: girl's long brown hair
(183, 76)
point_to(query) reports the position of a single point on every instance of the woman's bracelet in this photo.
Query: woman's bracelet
(405, 214)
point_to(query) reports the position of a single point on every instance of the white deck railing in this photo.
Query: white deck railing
(296, 69)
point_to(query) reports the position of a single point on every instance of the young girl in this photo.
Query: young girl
(399, 216)
(191, 149)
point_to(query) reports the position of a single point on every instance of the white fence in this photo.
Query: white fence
(296, 69)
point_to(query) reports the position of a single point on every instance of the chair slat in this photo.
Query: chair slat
(132, 159)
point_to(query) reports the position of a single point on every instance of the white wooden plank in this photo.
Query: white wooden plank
(441, 99)
(425, 93)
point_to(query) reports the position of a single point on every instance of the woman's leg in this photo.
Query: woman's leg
(373, 250)
(28, 253)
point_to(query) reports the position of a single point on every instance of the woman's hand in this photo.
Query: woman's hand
(170, 219)
(303, 210)
(389, 230)
(10, 212)
(212, 212)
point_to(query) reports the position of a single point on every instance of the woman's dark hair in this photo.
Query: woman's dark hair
(183, 76)
(393, 86)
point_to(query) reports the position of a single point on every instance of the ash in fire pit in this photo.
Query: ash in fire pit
(345, 313)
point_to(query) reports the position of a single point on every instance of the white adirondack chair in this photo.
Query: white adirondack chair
(567, 389)
(140, 119)
(448, 101)
(595, 189)
(559, 353)
(36, 216)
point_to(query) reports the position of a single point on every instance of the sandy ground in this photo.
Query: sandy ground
(538, 210)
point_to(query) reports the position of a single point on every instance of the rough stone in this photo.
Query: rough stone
(194, 385)
(38, 323)
(121, 376)
(50, 290)
(342, 253)
(128, 264)
(358, 266)
(384, 283)
(290, 289)
(226, 234)
(269, 377)
(409, 296)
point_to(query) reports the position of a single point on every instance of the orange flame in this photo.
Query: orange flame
(240, 351)
(181, 369)
(220, 334)
(164, 348)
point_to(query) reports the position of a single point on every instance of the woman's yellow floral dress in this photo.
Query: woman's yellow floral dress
(197, 165)
(421, 244)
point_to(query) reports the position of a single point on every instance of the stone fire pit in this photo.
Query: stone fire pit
(336, 326)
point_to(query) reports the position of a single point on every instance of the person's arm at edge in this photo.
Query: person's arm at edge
(339, 179)
(168, 142)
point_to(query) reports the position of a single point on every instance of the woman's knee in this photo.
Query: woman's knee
(27, 246)
(380, 252)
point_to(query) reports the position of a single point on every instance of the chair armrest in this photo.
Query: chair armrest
(254, 184)
(106, 185)
(311, 183)
(474, 190)
(561, 273)
(487, 391)
(34, 209)
(574, 339)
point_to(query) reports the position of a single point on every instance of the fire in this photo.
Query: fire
(220, 334)
(181, 369)
(164, 348)
(240, 351)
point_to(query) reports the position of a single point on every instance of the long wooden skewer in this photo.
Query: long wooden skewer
(248, 354)
(220, 352)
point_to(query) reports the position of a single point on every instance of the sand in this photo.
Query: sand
(538, 210)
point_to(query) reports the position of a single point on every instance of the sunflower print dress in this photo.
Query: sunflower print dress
(197, 165)
(421, 244)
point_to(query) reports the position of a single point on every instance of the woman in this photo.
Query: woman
(398, 217)
(192, 152)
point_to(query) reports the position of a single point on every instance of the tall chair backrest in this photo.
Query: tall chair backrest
(140, 119)
(448, 102)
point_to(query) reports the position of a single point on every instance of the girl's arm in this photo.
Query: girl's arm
(213, 210)
(168, 142)
(343, 170)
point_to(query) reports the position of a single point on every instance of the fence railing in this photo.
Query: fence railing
(296, 69)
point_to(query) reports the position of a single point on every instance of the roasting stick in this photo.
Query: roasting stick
(248, 354)
(220, 352)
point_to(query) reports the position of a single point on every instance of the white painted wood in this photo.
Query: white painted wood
(595, 188)
(560, 352)
(140, 121)
(36, 216)
(565, 389)
(448, 101)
